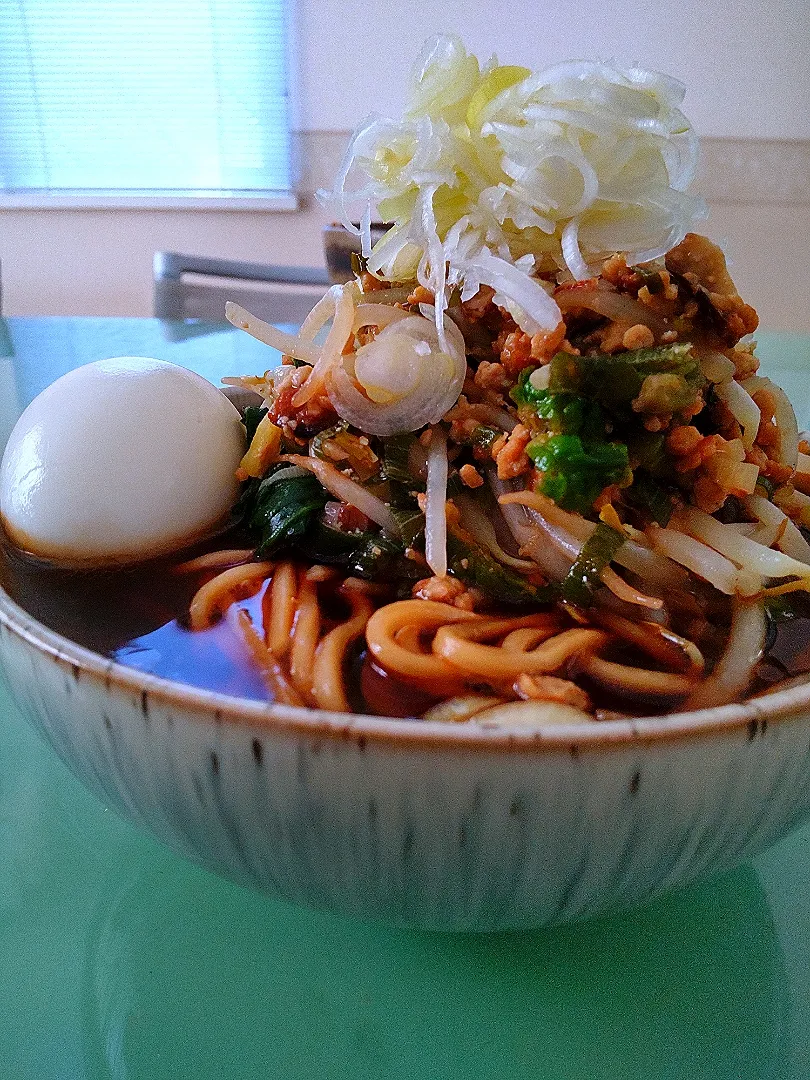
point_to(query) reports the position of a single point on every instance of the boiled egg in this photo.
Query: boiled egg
(120, 461)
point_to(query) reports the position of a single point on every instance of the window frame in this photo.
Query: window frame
(63, 199)
(189, 199)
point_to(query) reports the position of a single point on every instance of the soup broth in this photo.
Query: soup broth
(139, 617)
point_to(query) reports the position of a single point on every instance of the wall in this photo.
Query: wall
(745, 63)
(749, 95)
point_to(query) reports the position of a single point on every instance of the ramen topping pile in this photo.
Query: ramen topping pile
(522, 467)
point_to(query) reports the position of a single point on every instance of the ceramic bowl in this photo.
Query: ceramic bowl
(449, 826)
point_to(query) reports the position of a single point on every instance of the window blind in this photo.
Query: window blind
(144, 97)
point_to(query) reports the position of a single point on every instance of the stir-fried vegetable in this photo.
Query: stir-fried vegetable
(596, 555)
(575, 471)
(663, 379)
(252, 416)
(566, 414)
(650, 496)
(283, 509)
(379, 558)
(398, 459)
(498, 583)
(346, 450)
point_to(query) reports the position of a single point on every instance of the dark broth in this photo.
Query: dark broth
(136, 617)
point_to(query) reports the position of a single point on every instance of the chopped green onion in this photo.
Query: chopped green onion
(567, 414)
(575, 472)
(596, 555)
(615, 380)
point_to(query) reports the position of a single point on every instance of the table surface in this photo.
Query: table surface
(119, 959)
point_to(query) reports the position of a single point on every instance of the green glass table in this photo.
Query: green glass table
(118, 959)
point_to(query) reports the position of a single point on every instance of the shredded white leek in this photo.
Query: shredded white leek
(494, 172)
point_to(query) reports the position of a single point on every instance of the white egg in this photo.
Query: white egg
(119, 461)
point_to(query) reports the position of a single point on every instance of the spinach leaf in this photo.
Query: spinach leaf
(475, 567)
(381, 558)
(333, 547)
(283, 511)
(397, 460)
(410, 522)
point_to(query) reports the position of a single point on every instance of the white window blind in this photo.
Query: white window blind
(182, 98)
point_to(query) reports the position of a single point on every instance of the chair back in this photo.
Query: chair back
(339, 245)
(196, 287)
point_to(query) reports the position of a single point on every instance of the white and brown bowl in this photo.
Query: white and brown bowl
(450, 826)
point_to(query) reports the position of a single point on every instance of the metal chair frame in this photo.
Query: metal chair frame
(298, 287)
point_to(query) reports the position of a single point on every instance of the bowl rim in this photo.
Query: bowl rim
(82, 664)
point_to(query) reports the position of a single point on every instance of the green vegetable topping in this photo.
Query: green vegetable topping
(620, 383)
(768, 486)
(282, 511)
(787, 607)
(596, 554)
(397, 459)
(778, 611)
(649, 495)
(484, 438)
(475, 567)
(647, 450)
(651, 278)
(410, 522)
(567, 414)
(575, 472)
(251, 418)
(339, 446)
(379, 558)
